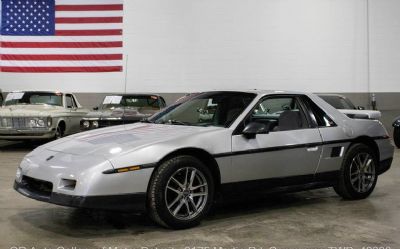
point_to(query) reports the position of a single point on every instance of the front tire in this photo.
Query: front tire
(180, 193)
(357, 177)
(59, 132)
(396, 136)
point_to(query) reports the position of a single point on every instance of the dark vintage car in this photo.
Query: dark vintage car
(396, 131)
(118, 109)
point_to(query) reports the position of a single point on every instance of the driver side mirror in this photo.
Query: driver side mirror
(360, 108)
(95, 108)
(254, 128)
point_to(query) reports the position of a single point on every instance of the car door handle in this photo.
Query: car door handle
(312, 149)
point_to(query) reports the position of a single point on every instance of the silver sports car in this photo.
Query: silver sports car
(174, 165)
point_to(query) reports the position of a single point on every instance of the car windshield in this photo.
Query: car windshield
(33, 98)
(207, 109)
(338, 102)
(134, 101)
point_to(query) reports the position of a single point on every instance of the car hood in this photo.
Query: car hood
(114, 141)
(29, 110)
(137, 113)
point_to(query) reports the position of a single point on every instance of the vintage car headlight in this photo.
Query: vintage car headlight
(37, 122)
(86, 124)
(32, 123)
(40, 123)
(95, 124)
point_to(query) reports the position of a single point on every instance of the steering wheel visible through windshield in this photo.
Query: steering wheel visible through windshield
(208, 109)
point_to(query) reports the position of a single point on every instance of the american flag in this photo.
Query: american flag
(43, 36)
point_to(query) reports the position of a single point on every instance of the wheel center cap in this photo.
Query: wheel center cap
(186, 192)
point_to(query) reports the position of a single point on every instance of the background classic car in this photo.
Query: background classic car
(39, 115)
(1, 97)
(123, 109)
(347, 107)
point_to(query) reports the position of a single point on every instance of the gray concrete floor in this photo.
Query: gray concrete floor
(310, 219)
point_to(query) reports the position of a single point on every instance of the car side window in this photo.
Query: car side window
(69, 101)
(74, 101)
(280, 114)
(162, 102)
(319, 117)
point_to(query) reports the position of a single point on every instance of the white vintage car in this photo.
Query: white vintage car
(40, 115)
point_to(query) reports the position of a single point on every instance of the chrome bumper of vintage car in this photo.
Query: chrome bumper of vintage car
(34, 133)
(26, 128)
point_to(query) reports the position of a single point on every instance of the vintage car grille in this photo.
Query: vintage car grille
(15, 122)
(19, 123)
(106, 123)
(5, 122)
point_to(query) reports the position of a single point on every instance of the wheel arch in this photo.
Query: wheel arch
(62, 124)
(370, 142)
(202, 155)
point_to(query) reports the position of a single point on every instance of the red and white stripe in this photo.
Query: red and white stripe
(88, 38)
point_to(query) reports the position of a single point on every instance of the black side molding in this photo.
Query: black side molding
(288, 147)
(281, 184)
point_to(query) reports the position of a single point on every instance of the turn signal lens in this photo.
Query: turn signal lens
(18, 176)
(122, 170)
(133, 168)
(49, 121)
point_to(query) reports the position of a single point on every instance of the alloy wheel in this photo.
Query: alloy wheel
(362, 172)
(186, 193)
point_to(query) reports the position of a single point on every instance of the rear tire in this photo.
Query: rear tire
(357, 177)
(180, 193)
(396, 136)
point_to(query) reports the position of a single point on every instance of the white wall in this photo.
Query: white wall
(193, 45)
(385, 45)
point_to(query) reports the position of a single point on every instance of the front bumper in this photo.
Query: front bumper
(384, 165)
(20, 134)
(135, 202)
